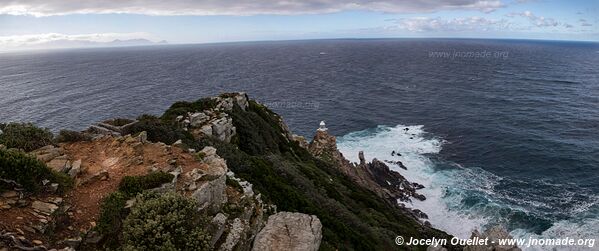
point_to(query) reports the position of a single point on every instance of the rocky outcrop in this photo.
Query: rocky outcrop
(375, 176)
(215, 122)
(494, 234)
(210, 183)
(289, 231)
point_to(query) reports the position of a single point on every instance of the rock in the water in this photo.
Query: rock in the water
(289, 231)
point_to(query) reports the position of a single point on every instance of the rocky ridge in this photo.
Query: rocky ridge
(238, 217)
(375, 175)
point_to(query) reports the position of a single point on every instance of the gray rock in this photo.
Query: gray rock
(75, 168)
(47, 153)
(43, 207)
(102, 175)
(60, 164)
(206, 129)
(223, 129)
(217, 226)
(143, 137)
(211, 195)
(178, 143)
(234, 236)
(289, 231)
(197, 119)
(10, 194)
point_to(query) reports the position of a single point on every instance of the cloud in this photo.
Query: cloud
(538, 21)
(424, 24)
(57, 40)
(584, 22)
(235, 7)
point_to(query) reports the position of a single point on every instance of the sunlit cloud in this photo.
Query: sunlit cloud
(235, 7)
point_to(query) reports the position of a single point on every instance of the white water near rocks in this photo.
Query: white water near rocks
(448, 185)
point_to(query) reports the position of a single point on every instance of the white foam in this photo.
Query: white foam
(414, 145)
(446, 188)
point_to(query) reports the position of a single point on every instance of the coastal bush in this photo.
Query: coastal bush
(29, 172)
(158, 130)
(183, 107)
(112, 213)
(164, 222)
(25, 136)
(257, 131)
(66, 136)
(118, 121)
(132, 185)
(112, 209)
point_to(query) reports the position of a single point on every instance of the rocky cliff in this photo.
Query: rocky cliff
(253, 185)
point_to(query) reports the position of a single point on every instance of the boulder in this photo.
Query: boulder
(289, 231)
(60, 164)
(217, 227)
(211, 195)
(43, 207)
(47, 153)
(197, 119)
(234, 236)
(75, 168)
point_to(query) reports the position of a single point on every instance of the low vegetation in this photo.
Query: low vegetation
(164, 222)
(113, 211)
(67, 136)
(158, 130)
(183, 107)
(132, 185)
(25, 136)
(28, 172)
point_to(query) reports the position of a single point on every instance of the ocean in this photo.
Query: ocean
(499, 131)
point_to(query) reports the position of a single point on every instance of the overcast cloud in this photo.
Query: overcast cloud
(235, 7)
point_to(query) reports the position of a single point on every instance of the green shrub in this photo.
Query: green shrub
(24, 136)
(183, 107)
(132, 185)
(200, 156)
(164, 222)
(66, 136)
(158, 130)
(29, 172)
(112, 213)
(118, 121)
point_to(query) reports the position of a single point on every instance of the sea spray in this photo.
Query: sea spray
(415, 148)
(461, 199)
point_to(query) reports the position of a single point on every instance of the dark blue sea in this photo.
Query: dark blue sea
(500, 131)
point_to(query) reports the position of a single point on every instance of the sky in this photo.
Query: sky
(35, 24)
